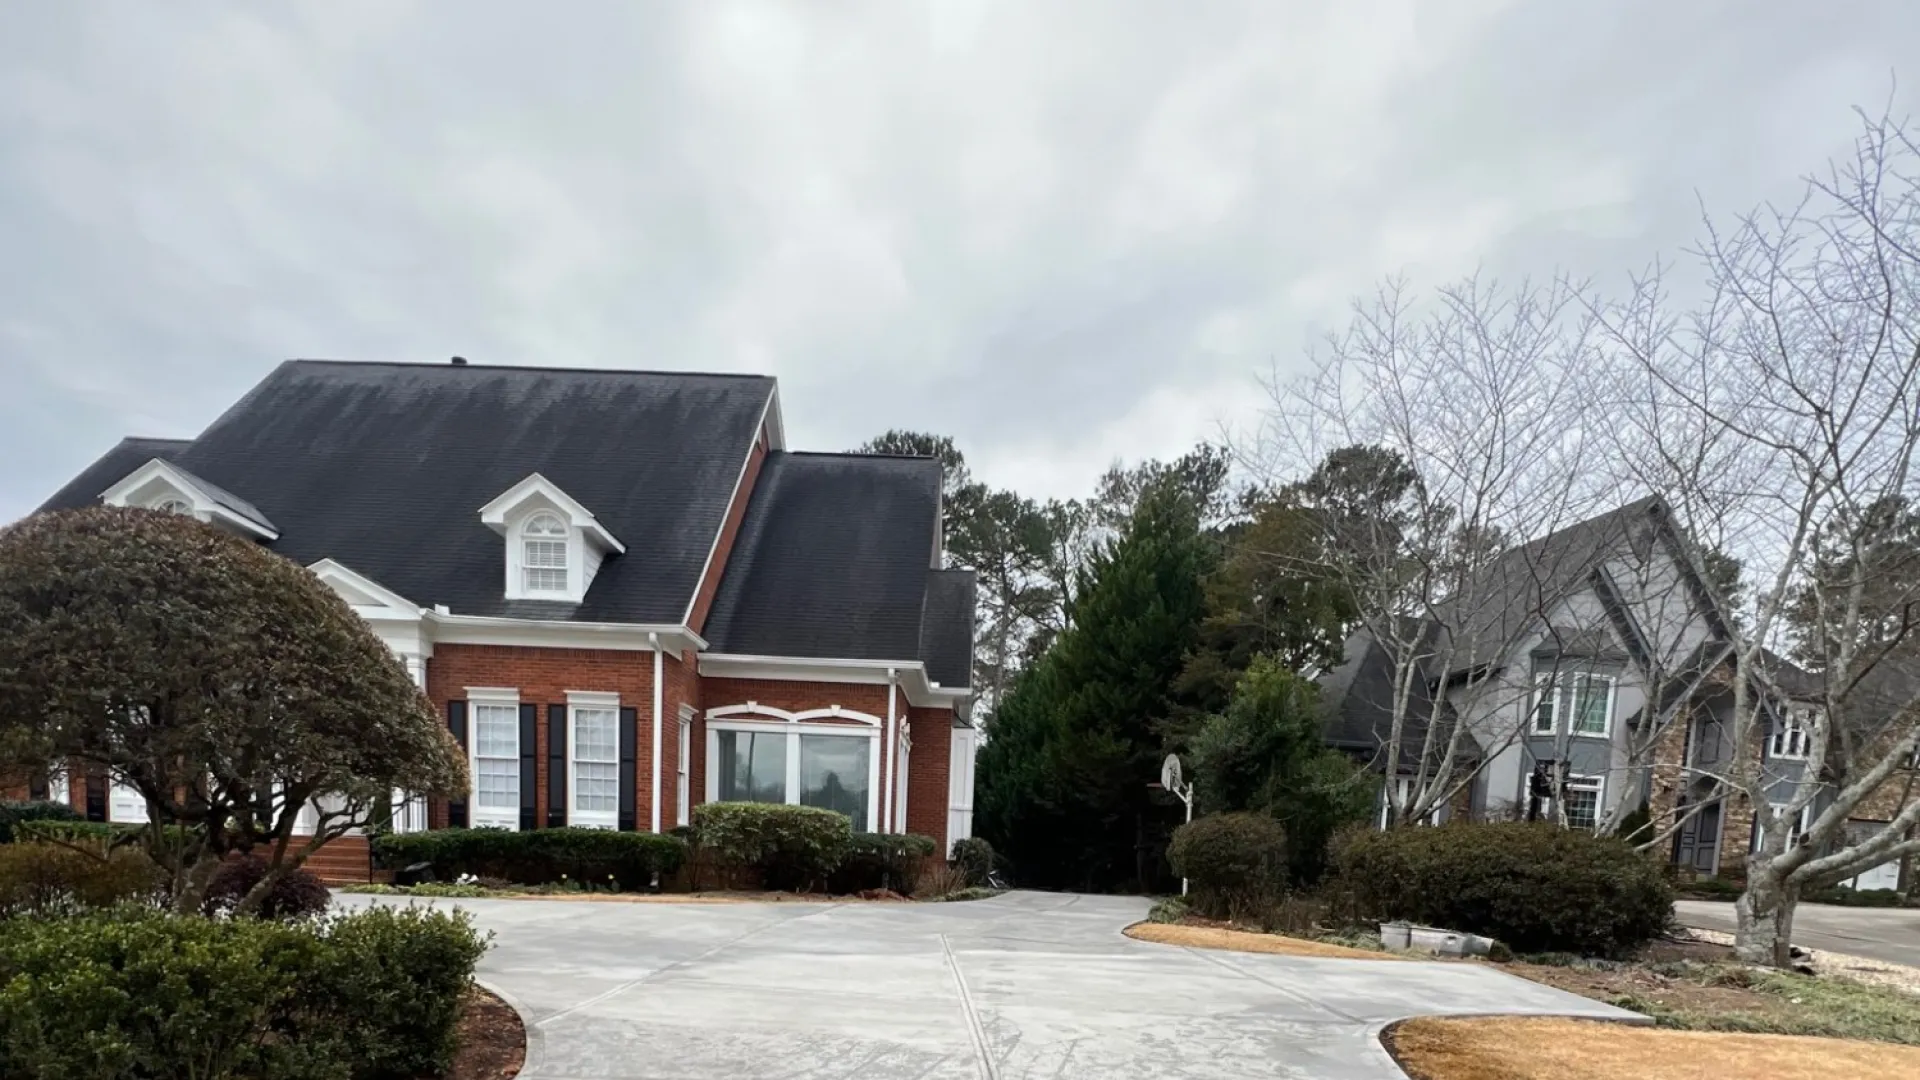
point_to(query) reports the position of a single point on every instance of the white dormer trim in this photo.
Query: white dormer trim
(367, 597)
(587, 541)
(158, 482)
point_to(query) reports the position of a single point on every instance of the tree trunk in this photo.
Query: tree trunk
(1764, 921)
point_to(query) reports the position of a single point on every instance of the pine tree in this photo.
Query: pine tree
(1064, 775)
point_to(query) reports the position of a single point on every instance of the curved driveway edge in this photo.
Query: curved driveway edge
(1024, 985)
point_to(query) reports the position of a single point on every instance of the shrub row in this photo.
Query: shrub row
(881, 861)
(371, 996)
(790, 847)
(1533, 886)
(54, 879)
(19, 813)
(623, 860)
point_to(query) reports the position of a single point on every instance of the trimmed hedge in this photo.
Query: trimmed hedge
(791, 847)
(18, 813)
(881, 861)
(974, 857)
(624, 860)
(118, 996)
(1235, 864)
(1533, 886)
(298, 894)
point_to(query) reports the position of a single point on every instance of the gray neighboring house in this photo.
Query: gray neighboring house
(1569, 654)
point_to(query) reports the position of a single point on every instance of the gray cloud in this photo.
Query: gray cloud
(1062, 232)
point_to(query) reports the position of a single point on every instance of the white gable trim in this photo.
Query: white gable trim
(346, 582)
(919, 689)
(832, 712)
(494, 515)
(204, 506)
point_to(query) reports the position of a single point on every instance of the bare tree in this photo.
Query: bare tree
(1432, 438)
(1779, 417)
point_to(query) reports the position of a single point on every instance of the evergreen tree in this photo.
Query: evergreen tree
(1063, 777)
(1265, 754)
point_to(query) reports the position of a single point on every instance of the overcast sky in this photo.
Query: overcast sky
(1062, 232)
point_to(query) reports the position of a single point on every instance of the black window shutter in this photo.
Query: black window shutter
(529, 774)
(37, 788)
(96, 797)
(457, 723)
(629, 733)
(556, 766)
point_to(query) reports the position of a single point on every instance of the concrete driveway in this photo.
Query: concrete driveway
(1890, 934)
(1024, 985)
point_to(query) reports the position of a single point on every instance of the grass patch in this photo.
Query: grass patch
(971, 892)
(1169, 909)
(1544, 1048)
(1793, 1004)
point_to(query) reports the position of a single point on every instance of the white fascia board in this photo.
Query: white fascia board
(451, 629)
(776, 426)
(739, 479)
(330, 571)
(203, 503)
(911, 674)
(494, 514)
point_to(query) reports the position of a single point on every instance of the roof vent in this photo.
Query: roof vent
(459, 361)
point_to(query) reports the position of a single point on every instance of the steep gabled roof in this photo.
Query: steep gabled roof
(384, 468)
(833, 560)
(109, 468)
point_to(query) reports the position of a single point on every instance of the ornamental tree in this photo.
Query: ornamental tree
(225, 684)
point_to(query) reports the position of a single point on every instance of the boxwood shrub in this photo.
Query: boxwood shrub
(1235, 864)
(974, 858)
(881, 861)
(790, 847)
(1534, 886)
(123, 995)
(599, 857)
(50, 879)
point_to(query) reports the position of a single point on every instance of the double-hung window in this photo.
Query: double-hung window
(1792, 735)
(1580, 702)
(543, 554)
(683, 771)
(495, 757)
(1583, 801)
(595, 740)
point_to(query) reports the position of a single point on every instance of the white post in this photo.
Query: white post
(1186, 796)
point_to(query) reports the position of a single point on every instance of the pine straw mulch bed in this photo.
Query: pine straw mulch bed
(493, 1044)
(1545, 1048)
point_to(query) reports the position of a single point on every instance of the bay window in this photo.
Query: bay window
(834, 767)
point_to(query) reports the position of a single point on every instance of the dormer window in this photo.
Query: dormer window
(174, 506)
(162, 485)
(543, 559)
(553, 545)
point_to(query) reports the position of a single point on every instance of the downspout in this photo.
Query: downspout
(892, 757)
(659, 667)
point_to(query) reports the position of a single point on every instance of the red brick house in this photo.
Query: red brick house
(623, 591)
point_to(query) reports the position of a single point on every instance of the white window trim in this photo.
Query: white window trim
(1779, 808)
(1780, 743)
(569, 559)
(59, 788)
(683, 776)
(737, 718)
(1560, 684)
(590, 819)
(1404, 784)
(1550, 808)
(489, 817)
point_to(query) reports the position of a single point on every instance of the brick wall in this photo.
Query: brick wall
(680, 677)
(543, 677)
(928, 767)
(729, 529)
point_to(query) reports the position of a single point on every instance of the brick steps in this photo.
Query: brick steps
(345, 860)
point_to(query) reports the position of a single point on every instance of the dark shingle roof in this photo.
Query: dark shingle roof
(834, 559)
(111, 467)
(1356, 701)
(229, 500)
(384, 468)
(946, 627)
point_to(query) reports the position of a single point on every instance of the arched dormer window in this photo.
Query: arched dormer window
(543, 554)
(174, 506)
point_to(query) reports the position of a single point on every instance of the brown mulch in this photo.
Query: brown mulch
(493, 1044)
(1546, 1048)
(715, 897)
(1212, 937)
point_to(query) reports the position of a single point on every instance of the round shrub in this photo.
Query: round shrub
(1235, 863)
(47, 879)
(791, 847)
(296, 895)
(974, 858)
(1532, 885)
(881, 861)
